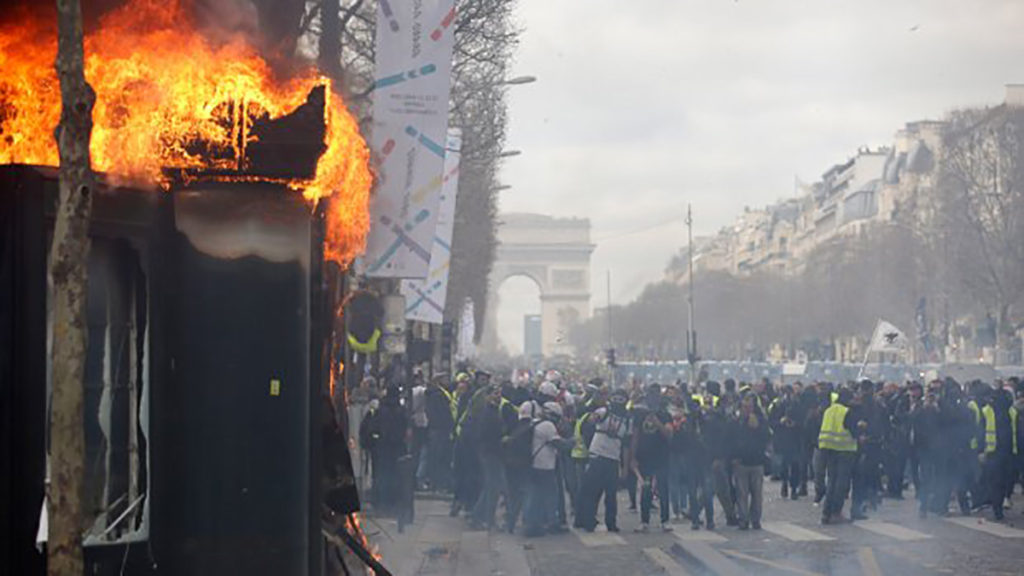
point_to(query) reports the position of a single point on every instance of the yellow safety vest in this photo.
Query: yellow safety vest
(453, 404)
(1013, 426)
(579, 448)
(469, 406)
(365, 347)
(833, 436)
(990, 428)
(700, 400)
(977, 422)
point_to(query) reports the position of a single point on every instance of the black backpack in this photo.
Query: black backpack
(517, 445)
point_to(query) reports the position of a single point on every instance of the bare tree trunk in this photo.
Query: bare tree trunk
(68, 272)
(329, 57)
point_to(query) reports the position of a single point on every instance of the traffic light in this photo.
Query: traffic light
(609, 356)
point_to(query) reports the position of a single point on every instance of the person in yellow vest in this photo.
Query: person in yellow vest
(819, 402)
(1017, 420)
(465, 464)
(838, 447)
(996, 456)
(440, 405)
(583, 432)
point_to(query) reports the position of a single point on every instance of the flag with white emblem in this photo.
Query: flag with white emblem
(888, 338)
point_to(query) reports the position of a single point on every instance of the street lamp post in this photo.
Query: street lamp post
(691, 335)
(519, 80)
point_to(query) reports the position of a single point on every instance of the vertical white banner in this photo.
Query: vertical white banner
(425, 299)
(410, 113)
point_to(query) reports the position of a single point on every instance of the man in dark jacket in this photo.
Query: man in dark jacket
(998, 448)
(652, 435)
(440, 427)
(751, 434)
(786, 422)
(896, 447)
(700, 481)
(925, 421)
(392, 445)
(718, 438)
(867, 471)
(489, 426)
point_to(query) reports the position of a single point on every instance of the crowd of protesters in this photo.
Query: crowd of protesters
(550, 450)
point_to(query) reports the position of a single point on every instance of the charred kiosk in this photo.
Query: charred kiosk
(208, 361)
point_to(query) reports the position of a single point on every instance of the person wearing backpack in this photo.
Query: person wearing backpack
(611, 425)
(516, 452)
(542, 496)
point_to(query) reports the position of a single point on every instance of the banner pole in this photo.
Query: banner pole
(867, 351)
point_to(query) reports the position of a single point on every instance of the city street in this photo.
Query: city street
(792, 542)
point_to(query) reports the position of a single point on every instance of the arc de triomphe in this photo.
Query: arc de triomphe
(555, 254)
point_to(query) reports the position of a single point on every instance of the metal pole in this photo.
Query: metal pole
(611, 342)
(691, 344)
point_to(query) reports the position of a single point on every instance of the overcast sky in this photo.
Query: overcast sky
(643, 106)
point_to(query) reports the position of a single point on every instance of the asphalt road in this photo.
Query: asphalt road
(894, 541)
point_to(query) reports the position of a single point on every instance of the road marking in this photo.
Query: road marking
(993, 528)
(473, 555)
(712, 559)
(868, 564)
(595, 539)
(699, 536)
(795, 533)
(669, 565)
(776, 565)
(891, 530)
(510, 556)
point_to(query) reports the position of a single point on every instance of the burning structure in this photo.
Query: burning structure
(230, 202)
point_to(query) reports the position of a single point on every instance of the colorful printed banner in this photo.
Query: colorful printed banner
(410, 113)
(424, 299)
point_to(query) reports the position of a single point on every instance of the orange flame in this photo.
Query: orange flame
(354, 524)
(161, 87)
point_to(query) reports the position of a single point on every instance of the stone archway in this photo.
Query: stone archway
(554, 253)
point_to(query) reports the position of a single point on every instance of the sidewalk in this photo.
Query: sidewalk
(437, 544)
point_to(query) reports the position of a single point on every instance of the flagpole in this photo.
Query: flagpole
(867, 351)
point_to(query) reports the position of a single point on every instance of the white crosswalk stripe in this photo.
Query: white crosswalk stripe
(665, 561)
(993, 528)
(891, 530)
(599, 538)
(699, 536)
(795, 533)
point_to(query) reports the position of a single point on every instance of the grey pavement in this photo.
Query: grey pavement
(894, 541)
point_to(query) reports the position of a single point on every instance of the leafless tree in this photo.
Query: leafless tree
(846, 285)
(981, 208)
(68, 273)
